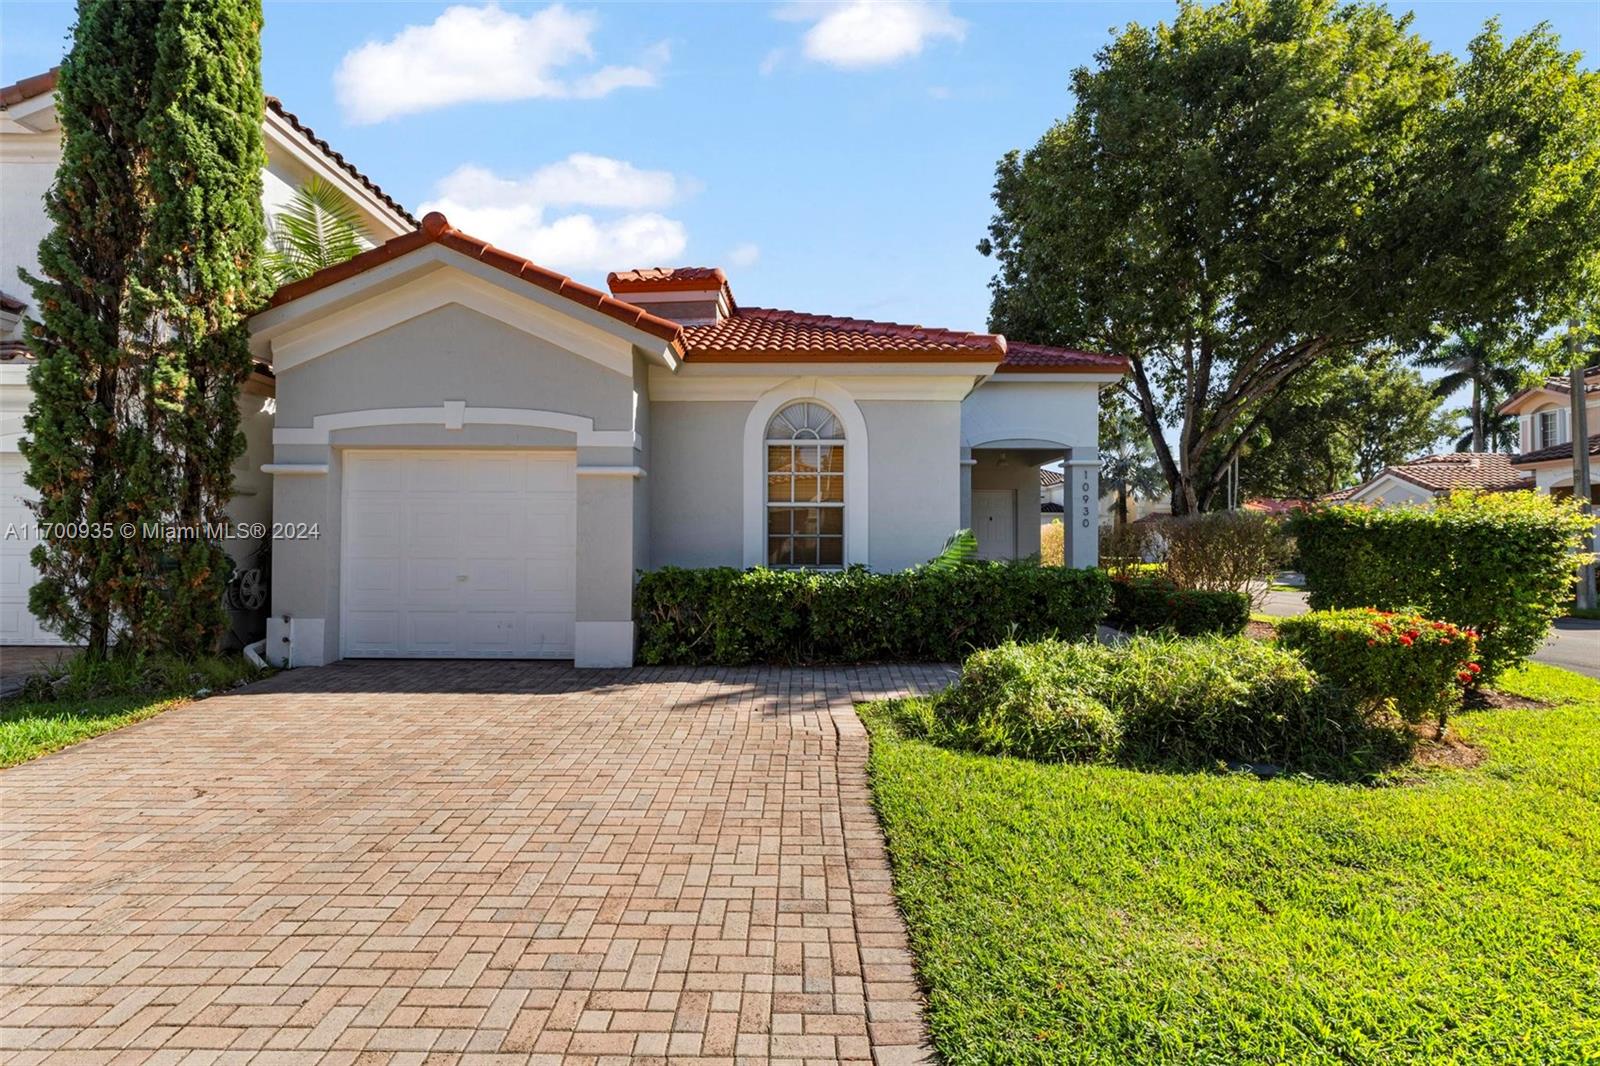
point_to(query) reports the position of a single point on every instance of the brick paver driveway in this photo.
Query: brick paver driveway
(386, 862)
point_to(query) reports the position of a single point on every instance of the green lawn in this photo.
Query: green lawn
(90, 698)
(1093, 914)
(29, 730)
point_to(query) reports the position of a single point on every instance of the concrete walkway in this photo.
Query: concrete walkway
(496, 862)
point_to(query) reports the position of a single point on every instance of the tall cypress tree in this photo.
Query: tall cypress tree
(201, 274)
(82, 423)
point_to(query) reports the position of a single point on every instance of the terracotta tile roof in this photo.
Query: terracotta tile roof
(39, 84)
(1023, 358)
(1276, 505)
(666, 279)
(1491, 471)
(1555, 452)
(1049, 479)
(11, 351)
(28, 88)
(1556, 383)
(276, 105)
(1338, 495)
(436, 229)
(10, 303)
(762, 334)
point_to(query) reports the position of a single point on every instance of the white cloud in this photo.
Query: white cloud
(870, 33)
(481, 53)
(514, 213)
(744, 255)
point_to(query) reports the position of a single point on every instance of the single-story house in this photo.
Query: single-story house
(467, 455)
(473, 455)
(1420, 480)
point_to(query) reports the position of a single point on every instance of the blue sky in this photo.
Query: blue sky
(832, 158)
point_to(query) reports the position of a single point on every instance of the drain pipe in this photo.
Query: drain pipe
(252, 654)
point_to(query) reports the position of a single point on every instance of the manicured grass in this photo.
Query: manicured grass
(31, 729)
(1092, 914)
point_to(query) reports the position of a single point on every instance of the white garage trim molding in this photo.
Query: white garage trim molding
(454, 414)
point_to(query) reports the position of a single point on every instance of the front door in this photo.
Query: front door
(994, 520)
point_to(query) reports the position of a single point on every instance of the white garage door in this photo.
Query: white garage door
(459, 554)
(17, 624)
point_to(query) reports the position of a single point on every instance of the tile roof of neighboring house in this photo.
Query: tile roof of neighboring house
(762, 334)
(1559, 384)
(1052, 508)
(1338, 495)
(1274, 505)
(436, 229)
(1050, 478)
(1555, 452)
(13, 350)
(10, 303)
(28, 88)
(338, 158)
(1490, 471)
(1023, 358)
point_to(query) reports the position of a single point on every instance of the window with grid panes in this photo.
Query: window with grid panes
(805, 487)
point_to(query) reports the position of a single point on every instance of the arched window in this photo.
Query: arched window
(805, 487)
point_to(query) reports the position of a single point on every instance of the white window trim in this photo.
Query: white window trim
(844, 408)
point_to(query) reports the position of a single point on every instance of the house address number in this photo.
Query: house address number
(1084, 511)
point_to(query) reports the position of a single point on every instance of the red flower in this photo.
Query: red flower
(1475, 668)
(1464, 677)
(1406, 639)
(1370, 643)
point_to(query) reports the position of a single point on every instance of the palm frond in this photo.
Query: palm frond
(959, 549)
(316, 229)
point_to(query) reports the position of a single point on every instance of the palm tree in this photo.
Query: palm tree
(1127, 458)
(317, 228)
(1501, 433)
(1478, 358)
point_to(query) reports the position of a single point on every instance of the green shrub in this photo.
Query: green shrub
(1190, 701)
(1148, 602)
(81, 678)
(727, 617)
(1499, 563)
(1158, 701)
(1031, 700)
(1223, 551)
(1419, 664)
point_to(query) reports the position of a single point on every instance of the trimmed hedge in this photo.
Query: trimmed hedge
(1157, 701)
(1378, 656)
(1499, 563)
(1148, 602)
(729, 617)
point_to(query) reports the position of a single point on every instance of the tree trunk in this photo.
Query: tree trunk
(1477, 416)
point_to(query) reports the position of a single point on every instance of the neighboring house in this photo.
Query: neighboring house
(1052, 503)
(30, 151)
(472, 456)
(1420, 480)
(1545, 414)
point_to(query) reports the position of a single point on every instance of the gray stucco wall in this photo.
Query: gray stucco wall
(454, 353)
(915, 479)
(696, 483)
(1021, 478)
(451, 353)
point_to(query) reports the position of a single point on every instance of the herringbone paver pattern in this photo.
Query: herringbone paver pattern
(440, 862)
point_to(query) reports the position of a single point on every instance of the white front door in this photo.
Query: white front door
(459, 554)
(17, 575)
(994, 520)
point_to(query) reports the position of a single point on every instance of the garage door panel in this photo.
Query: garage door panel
(475, 557)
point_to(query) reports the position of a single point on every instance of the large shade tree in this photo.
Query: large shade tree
(1262, 185)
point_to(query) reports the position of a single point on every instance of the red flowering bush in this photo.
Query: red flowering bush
(1420, 664)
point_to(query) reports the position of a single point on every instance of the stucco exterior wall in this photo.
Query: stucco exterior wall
(915, 479)
(450, 354)
(1049, 412)
(695, 482)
